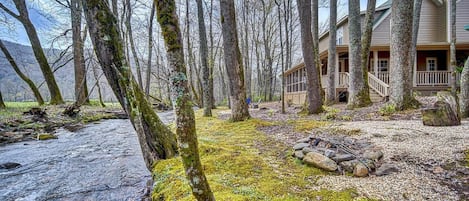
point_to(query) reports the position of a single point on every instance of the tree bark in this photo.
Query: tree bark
(332, 53)
(150, 50)
(185, 123)
(25, 78)
(247, 66)
(282, 57)
(203, 58)
(365, 54)
(81, 88)
(128, 24)
(415, 32)
(156, 140)
(23, 17)
(233, 62)
(357, 90)
(313, 92)
(453, 47)
(401, 40)
(2, 104)
(465, 90)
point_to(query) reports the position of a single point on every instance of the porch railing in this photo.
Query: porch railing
(433, 78)
(343, 79)
(378, 85)
(383, 76)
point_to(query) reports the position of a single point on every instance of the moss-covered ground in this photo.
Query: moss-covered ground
(242, 163)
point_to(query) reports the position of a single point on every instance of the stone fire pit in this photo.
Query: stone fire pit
(357, 157)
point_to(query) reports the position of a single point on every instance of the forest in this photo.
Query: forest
(234, 100)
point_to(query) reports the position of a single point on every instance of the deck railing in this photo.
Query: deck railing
(433, 78)
(343, 79)
(378, 85)
(383, 76)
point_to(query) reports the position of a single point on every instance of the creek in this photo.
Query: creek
(101, 161)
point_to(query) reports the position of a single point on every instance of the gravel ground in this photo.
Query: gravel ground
(429, 158)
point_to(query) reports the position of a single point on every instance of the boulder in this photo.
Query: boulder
(320, 161)
(300, 146)
(443, 113)
(304, 140)
(386, 169)
(329, 153)
(360, 170)
(307, 150)
(9, 165)
(46, 136)
(349, 165)
(343, 157)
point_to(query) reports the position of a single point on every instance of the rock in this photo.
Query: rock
(369, 163)
(443, 113)
(360, 170)
(343, 157)
(46, 136)
(320, 161)
(373, 154)
(329, 153)
(300, 146)
(349, 165)
(299, 155)
(307, 150)
(9, 165)
(304, 140)
(438, 170)
(386, 169)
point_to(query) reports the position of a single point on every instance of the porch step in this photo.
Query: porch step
(375, 97)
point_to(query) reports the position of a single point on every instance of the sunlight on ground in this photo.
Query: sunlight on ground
(241, 163)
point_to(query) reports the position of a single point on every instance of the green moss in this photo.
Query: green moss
(467, 157)
(303, 125)
(46, 136)
(242, 163)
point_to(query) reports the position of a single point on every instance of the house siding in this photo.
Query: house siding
(462, 18)
(432, 23)
(381, 33)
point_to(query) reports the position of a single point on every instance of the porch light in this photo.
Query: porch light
(466, 27)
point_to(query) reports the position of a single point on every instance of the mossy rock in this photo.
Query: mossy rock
(46, 136)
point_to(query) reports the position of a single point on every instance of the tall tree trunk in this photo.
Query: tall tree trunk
(212, 56)
(23, 17)
(25, 78)
(357, 90)
(97, 78)
(203, 58)
(315, 26)
(332, 52)
(156, 140)
(313, 90)
(465, 90)
(128, 24)
(282, 57)
(401, 40)
(233, 62)
(185, 123)
(415, 32)
(453, 47)
(247, 65)
(81, 88)
(150, 50)
(2, 104)
(365, 54)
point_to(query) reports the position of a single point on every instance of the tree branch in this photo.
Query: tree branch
(10, 12)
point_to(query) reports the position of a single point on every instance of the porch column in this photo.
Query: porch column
(375, 62)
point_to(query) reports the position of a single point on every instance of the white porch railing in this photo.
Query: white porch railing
(383, 76)
(343, 79)
(378, 85)
(324, 81)
(432, 78)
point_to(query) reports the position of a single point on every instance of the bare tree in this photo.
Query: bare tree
(25, 78)
(156, 140)
(365, 54)
(313, 91)
(185, 123)
(203, 58)
(464, 103)
(415, 32)
(2, 104)
(128, 25)
(453, 48)
(23, 17)
(81, 88)
(401, 40)
(332, 53)
(150, 49)
(233, 62)
(282, 57)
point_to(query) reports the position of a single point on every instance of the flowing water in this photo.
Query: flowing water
(102, 161)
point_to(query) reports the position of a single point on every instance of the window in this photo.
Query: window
(431, 64)
(340, 36)
(383, 65)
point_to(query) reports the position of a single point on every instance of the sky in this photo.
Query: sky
(45, 23)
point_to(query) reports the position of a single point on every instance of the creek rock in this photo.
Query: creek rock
(360, 170)
(304, 140)
(320, 161)
(46, 136)
(299, 155)
(329, 153)
(373, 154)
(9, 165)
(300, 146)
(349, 165)
(307, 150)
(343, 157)
(386, 169)
(443, 113)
